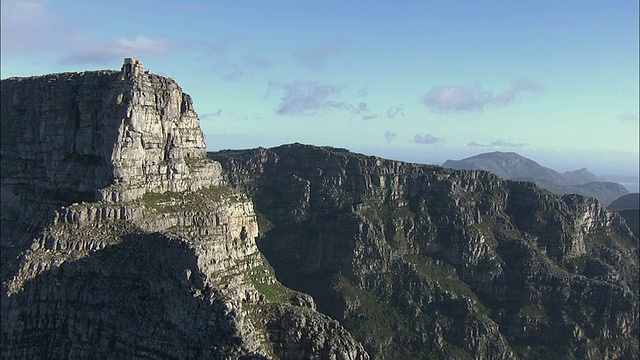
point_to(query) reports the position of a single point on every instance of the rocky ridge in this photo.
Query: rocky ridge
(419, 261)
(120, 238)
(511, 166)
(628, 206)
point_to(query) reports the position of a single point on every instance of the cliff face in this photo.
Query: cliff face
(420, 261)
(98, 136)
(120, 239)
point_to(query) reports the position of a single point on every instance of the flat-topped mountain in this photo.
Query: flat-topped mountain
(419, 261)
(122, 238)
(511, 166)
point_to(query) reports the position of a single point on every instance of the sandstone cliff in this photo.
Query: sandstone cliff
(423, 262)
(121, 240)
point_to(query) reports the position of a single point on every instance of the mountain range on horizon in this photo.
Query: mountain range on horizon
(513, 166)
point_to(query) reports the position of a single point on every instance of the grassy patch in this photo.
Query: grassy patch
(171, 201)
(198, 161)
(376, 319)
(262, 279)
(446, 276)
(378, 210)
(536, 312)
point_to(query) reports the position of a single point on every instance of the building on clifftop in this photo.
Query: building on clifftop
(132, 67)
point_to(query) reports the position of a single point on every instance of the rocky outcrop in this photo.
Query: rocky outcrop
(419, 261)
(122, 239)
(93, 136)
(98, 136)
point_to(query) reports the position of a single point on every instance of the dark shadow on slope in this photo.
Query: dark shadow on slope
(141, 298)
(411, 259)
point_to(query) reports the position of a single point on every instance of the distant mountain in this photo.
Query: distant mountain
(629, 201)
(512, 166)
(582, 176)
(628, 206)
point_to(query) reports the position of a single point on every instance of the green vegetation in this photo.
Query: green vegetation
(380, 210)
(198, 161)
(446, 276)
(151, 198)
(173, 201)
(536, 312)
(257, 316)
(455, 352)
(262, 279)
(219, 193)
(376, 319)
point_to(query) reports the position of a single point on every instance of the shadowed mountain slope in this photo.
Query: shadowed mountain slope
(419, 261)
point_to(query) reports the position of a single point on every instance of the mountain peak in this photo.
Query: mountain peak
(513, 166)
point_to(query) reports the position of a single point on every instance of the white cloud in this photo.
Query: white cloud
(34, 26)
(426, 139)
(394, 112)
(497, 144)
(465, 98)
(390, 135)
(307, 97)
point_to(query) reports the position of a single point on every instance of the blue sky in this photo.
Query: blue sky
(423, 81)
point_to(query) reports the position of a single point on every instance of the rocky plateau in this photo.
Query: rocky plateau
(123, 238)
(120, 238)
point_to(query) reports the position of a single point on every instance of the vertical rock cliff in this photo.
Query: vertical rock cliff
(419, 261)
(120, 239)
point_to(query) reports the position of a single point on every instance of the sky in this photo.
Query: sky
(421, 81)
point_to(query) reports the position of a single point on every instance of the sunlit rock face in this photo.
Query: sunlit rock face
(100, 134)
(120, 239)
(420, 261)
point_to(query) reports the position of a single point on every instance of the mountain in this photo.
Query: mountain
(511, 166)
(629, 201)
(418, 261)
(580, 177)
(120, 238)
(628, 206)
(123, 238)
